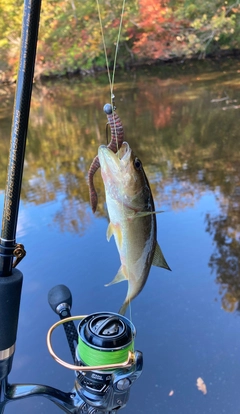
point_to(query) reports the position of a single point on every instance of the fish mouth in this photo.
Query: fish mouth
(109, 160)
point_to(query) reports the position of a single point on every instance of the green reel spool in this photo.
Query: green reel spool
(105, 338)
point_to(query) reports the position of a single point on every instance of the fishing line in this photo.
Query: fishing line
(92, 357)
(117, 44)
(111, 80)
(113, 76)
(104, 46)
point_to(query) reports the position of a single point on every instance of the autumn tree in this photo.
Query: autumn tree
(208, 25)
(70, 33)
(10, 34)
(155, 29)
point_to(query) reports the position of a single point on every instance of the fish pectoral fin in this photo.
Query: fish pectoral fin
(158, 258)
(109, 231)
(120, 276)
(118, 236)
(146, 213)
(116, 231)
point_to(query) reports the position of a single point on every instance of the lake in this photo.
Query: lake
(182, 121)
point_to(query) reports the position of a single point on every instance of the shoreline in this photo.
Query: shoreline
(219, 58)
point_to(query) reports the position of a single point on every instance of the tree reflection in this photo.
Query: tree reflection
(187, 144)
(225, 261)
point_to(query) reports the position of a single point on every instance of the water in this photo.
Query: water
(187, 321)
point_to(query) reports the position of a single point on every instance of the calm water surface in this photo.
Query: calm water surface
(187, 321)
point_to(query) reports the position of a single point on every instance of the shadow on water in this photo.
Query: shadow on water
(185, 129)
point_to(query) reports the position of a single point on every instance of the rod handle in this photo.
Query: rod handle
(10, 296)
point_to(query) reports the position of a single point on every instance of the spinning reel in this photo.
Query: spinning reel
(105, 363)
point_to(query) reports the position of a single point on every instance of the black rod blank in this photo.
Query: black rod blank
(21, 110)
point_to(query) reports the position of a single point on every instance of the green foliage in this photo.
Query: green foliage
(208, 25)
(70, 33)
(10, 33)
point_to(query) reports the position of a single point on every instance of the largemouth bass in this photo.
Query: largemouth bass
(132, 218)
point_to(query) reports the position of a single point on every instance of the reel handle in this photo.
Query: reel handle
(58, 297)
(60, 300)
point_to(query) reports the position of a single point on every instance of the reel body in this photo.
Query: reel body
(105, 337)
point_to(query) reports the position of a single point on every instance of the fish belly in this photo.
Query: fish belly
(136, 240)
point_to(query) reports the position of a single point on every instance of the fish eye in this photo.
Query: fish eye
(137, 164)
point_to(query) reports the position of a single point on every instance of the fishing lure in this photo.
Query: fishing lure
(117, 136)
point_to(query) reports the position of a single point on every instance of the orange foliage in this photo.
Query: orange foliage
(155, 32)
(153, 13)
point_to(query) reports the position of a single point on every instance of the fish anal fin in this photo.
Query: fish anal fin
(158, 258)
(120, 276)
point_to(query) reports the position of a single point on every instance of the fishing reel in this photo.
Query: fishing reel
(102, 348)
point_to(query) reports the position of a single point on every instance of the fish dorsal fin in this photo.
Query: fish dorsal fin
(120, 276)
(158, 258)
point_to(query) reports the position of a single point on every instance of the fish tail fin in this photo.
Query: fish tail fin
(123, 308)
(158, 258)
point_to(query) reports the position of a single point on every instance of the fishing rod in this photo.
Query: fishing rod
(11, 278)
(102, 347)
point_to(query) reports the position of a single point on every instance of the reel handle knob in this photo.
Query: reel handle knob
(60, 300)
(60, 297)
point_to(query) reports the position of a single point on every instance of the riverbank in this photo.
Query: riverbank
(221, 58)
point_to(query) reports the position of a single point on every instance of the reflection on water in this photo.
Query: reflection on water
(225, 261)
(178, 126)
(180, 129)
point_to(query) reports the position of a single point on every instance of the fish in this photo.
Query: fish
(132, 218)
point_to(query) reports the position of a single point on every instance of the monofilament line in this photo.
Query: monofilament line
(116, 49)
(111, 81)
(104, 44)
